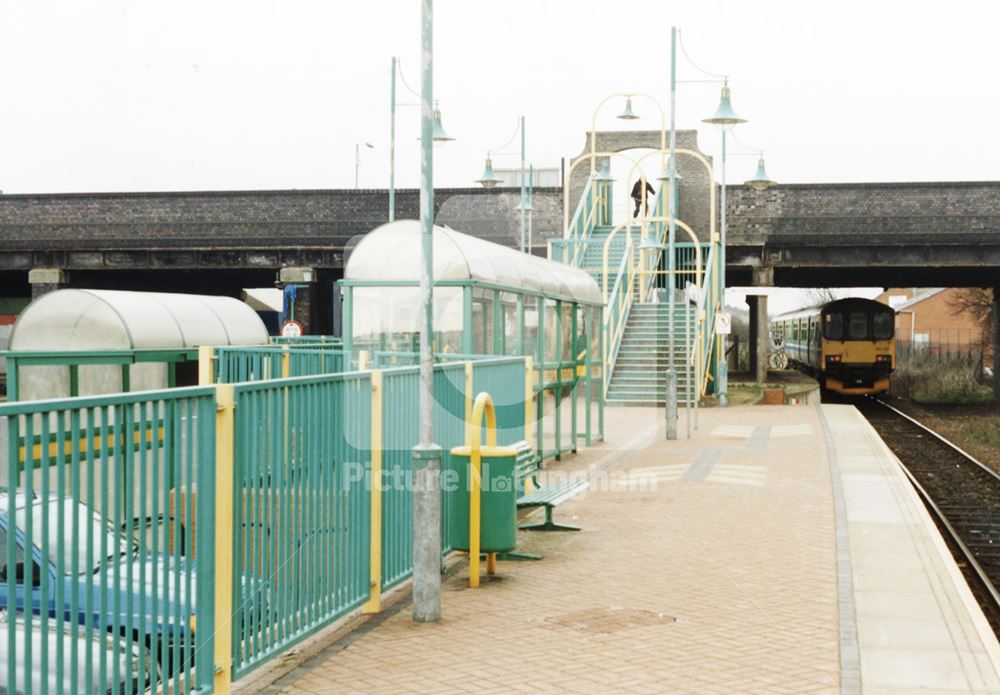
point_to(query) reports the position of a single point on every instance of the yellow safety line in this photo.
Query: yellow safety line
(374, 603)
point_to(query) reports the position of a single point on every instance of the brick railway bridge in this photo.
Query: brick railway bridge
(792, 235)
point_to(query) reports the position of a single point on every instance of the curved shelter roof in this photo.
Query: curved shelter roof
(112, 319)
(392, 253)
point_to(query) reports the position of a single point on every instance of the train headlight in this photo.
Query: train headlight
(883, 358)
(832, 359)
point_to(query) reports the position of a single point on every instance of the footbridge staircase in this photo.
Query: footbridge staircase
(656, 315)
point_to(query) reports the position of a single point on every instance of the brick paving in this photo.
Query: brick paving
(705, 566)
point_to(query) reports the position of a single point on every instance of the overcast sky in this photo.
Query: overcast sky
(131, 95)
(182, 95)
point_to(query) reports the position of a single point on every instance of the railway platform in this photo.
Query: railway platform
(778, 550)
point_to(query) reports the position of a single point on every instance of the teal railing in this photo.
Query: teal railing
(236, 364)
(131, 517)
(72, 361)
(616, 312)
(106, 544)
(591, 210)
(708, 307)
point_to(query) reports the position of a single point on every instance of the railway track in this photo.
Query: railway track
(962, 494)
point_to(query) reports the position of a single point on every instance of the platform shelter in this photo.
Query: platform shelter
(488, 300)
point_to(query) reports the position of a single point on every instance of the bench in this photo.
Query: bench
(526, 466)
(550, 497)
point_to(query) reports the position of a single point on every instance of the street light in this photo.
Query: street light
(357, 159)
(426, 454)
(438, 134)
(760, 181)
(725, 118)
(490, 179)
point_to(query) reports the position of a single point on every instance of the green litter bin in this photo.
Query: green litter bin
(498, 498)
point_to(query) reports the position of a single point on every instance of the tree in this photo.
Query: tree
(977, 304)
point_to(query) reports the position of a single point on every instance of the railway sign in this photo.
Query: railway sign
(291, 329)
(723, 323)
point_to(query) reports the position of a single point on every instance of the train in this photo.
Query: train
(848, 344)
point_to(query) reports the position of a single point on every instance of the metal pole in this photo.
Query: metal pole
(531, 202)
(723, 363)
(392, 143)
(687, 367)
(523, 211)
(427, 454)
(357, 162)
(670, 412)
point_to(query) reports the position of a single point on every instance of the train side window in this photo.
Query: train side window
(857, 325)
(834, 328)
(882, 322)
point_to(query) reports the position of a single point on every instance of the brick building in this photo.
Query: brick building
(927, 318)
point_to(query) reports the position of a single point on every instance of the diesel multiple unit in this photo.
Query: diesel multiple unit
(848, 344)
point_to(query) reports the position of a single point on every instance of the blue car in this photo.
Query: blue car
(149, 598)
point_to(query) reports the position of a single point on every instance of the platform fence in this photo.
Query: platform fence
(296, 489)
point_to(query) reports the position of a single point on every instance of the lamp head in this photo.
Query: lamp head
(439, 134)
(488, 179)
(665, 174)
(628, 114)
(760, 181)
(724, 116)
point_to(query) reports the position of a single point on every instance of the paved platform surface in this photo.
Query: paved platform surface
(776, 551)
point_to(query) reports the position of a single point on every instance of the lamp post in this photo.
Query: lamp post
(438, 134)
(426, 454)
(725, 118)
(357, 159)
(489, 179)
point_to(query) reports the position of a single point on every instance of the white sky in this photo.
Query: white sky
(191, 95)
(185, 95)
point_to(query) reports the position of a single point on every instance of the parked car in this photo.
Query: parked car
(150, 598)
(127, 665)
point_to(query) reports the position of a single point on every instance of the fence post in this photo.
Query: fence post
(374, 603)
(529, 396)
(362, 360)
(204, 365)
(469, 396)
(223, 590)
(286, 362)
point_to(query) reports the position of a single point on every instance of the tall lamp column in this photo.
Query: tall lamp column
(725, 118)
(427, 454)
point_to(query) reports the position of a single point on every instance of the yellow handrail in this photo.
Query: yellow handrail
(483, 404)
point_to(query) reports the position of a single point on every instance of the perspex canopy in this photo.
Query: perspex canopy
(112, 319)
(392, 253)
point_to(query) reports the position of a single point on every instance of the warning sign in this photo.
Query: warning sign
(723, 323)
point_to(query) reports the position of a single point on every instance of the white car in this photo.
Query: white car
(129, 674)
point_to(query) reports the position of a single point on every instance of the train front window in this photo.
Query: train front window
(882, 323)
(833, 327)
(857, 325)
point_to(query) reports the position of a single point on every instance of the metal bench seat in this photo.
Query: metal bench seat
(550, 497)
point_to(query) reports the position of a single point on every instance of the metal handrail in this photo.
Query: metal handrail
(617, 312)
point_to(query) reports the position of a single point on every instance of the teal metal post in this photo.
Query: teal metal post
(523, 211)
(723, 362)
(427, 454)
(531, 203)
(392, 143)
(670, 410)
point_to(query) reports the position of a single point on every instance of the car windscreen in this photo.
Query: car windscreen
(90, 549)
